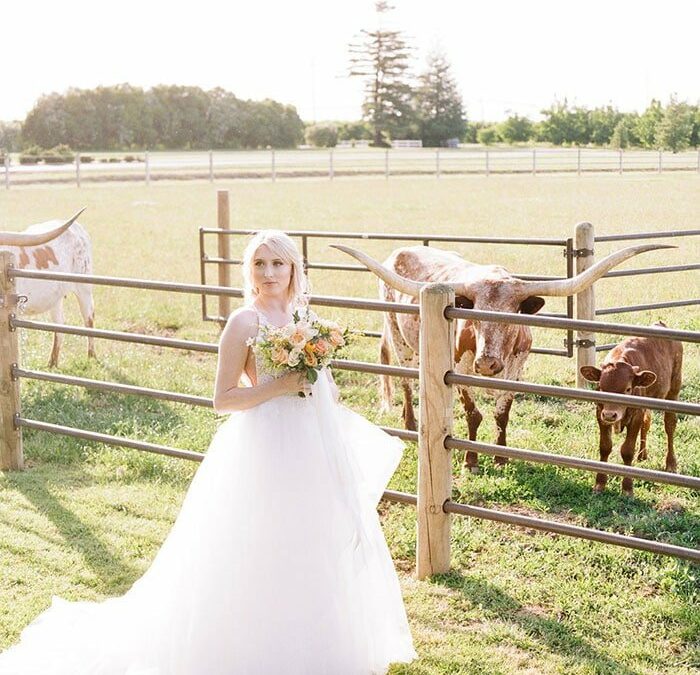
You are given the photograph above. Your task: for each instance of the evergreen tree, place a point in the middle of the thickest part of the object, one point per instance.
(381, 58)
(439, 103)
(675, 129)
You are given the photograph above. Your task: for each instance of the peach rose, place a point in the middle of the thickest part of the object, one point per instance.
(279, 355)
(322, 347)
(336, 338)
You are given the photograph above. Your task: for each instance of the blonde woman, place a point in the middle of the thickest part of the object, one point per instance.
(277, 562)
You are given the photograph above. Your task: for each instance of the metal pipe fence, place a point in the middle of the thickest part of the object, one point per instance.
(149, 166)
(424, 239)
(434, 437)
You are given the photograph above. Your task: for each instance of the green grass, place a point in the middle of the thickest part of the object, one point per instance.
(85, 520)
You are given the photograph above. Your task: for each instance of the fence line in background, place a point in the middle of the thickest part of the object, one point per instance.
(274, 164)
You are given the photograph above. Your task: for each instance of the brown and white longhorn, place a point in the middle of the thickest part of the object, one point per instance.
(483, 348)
(60, 247)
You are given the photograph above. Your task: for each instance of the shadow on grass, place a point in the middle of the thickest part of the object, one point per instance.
(553, 634)
(39, 489)
(555, 490)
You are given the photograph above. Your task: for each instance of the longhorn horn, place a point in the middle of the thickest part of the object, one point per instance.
(408, 286)
(36, 239)
(580, 282)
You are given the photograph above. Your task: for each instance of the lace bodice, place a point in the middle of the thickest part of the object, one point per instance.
(262, 373)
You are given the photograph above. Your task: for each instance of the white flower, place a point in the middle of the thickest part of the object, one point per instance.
(294, 357)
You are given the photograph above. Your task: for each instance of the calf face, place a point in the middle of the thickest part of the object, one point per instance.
(617, 378)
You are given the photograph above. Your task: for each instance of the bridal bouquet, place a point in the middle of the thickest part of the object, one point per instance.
(304, 345)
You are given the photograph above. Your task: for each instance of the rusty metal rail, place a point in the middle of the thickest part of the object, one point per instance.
(569, 392)
(573, 530)
(573, 462)
(576, 324)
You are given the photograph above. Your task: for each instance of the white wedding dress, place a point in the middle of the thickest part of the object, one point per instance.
(276, 564)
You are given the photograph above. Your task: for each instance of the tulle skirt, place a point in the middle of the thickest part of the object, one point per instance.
(276, 563)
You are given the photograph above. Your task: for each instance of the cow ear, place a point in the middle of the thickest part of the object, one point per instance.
(531, 305)
(590, 373)
(463, 302)
(644, 378)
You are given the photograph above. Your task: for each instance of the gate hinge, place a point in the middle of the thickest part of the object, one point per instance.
(579, 343)
(579, 252)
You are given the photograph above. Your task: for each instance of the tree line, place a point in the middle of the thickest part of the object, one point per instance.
(166, 117)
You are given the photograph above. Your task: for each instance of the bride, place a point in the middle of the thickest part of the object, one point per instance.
(277, 562)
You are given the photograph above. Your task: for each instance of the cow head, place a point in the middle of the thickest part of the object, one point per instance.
(617, 377)
(494, 289)
(495, 341)
(36, 239)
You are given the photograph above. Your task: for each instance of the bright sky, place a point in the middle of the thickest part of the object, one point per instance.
(507, 55)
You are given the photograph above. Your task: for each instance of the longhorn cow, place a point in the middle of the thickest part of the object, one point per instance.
(482, 348)
(59, 247)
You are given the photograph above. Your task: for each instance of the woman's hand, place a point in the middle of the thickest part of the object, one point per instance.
(293, 383)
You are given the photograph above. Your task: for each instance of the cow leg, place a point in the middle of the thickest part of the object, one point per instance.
(56, 317)
(670, 427)
(502, 413)
(406, 357)
(605, 448)
(646, 424)
(474, 417)
(628, 446)
(386, 392)
(87, 309)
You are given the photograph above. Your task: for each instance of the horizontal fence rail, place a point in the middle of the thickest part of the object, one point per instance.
(591, 534)
(573, 462)
(577, 324)
(569, 392)
(148, 166)
(107, 439)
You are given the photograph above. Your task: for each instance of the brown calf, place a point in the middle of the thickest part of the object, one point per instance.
(641, 367)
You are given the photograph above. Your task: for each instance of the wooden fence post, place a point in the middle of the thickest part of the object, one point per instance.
(585, 300)
(224, 249)
(11, 454)
(434, 424)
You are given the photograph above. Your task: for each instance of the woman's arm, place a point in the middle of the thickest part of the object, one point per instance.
(233, 353)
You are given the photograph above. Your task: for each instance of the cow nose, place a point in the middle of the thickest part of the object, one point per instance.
(609, 416)
(488, 365)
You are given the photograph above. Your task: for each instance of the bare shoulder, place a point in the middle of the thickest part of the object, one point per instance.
(241, 325)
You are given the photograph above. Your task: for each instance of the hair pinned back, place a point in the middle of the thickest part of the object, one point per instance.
(283, 246)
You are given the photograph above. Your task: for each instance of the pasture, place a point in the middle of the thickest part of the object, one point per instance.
(84, 521)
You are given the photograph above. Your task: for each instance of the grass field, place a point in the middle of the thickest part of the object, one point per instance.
(84, 520)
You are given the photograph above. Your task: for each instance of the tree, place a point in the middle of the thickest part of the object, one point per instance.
(516, 129)
(603, 122)
(322, 135)
(564, 125)
(440, 105)
(381, 58)
(647, 123)
(10, 136)
(487, 135)
(675, 129)
(354, 131)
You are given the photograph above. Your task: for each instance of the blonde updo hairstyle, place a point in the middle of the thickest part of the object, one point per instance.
(282, 246)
